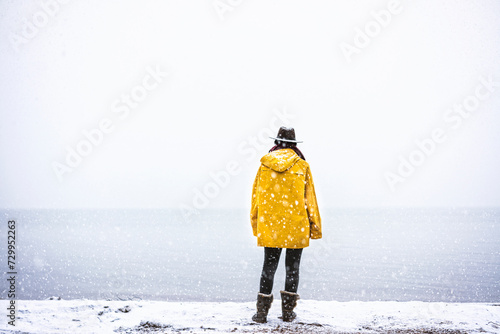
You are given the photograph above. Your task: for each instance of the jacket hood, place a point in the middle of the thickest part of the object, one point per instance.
(280, 160)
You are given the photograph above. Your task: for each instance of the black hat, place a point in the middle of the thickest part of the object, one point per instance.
(287, 135)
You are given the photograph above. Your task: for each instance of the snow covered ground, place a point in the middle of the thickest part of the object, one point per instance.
(101, 316)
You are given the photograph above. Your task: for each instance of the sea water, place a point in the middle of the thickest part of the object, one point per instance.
(447, 255)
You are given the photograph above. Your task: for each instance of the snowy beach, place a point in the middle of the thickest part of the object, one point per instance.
(100, 316)
(158, 157)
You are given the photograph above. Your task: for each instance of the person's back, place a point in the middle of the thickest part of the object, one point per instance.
(282, 216)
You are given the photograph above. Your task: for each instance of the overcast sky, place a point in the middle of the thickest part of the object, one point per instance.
(141, 104)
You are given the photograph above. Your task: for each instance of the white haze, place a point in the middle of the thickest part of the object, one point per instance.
(226, 79)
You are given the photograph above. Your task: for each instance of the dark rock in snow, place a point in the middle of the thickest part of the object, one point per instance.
(125, 309)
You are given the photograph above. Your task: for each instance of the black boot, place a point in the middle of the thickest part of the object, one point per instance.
(288, 303)
(263, 306)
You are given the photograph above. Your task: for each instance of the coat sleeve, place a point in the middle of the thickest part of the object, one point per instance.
(312, 207)
(254, 206)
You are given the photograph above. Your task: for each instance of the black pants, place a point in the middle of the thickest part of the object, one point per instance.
(271, 260)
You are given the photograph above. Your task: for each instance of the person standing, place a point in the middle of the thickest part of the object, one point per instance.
(284, 214)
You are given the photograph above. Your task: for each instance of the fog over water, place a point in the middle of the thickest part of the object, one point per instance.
(366, 254)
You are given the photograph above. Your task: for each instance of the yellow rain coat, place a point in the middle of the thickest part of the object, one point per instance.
(284, 211)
